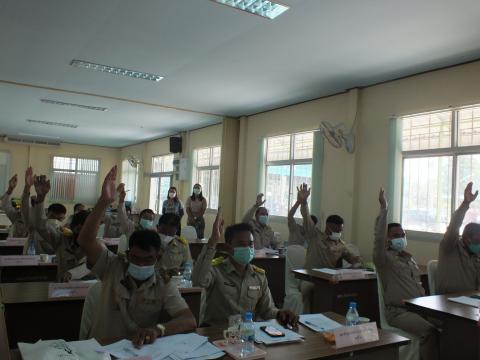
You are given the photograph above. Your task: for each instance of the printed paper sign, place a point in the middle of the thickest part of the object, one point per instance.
(111, 241)
(355, 335)
(16, 241)
(19, 260)
(70, 289)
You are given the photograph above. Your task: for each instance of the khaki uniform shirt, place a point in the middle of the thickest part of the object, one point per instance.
(112, 226)
(322, 251)
(127, 226)
(175, 254)
(263, 235)
(197, 206)
(42, 246)
(296, 233)
(18, 228)
(458, 269)
(68, 252)
(228, 293)
(123, 307)
(398, 271)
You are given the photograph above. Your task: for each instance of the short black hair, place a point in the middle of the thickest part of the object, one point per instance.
(169, 219)
(150, 211)
(471, 229)
(235, 229)
(57, 208)
(335, 219)
(79, 218)
(260, 208)
(145, 240)
(314, 219)
(392, 225)
(76, 206)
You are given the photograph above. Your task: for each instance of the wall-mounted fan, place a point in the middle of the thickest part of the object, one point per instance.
(133, 161)
(337, 136)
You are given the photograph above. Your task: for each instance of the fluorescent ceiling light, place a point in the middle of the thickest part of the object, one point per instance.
(38, 136)
(61, 103)
(52, 123)
(115, 70)
(265, 8)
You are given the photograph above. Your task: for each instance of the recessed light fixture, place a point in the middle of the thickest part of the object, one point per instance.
(115, 70)
(61, 103)
(52, 123)
(265, 8)
(38, 136)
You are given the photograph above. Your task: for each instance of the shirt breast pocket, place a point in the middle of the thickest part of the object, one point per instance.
(254, 293)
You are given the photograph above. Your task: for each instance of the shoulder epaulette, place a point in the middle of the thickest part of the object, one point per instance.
(217, 261)
(183, 240)
(258, 269)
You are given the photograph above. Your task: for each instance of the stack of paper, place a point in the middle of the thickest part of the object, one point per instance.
(262, 338)
(62, 350)
(175, 347)
(466, 300)
(319, 322)
(346, 274)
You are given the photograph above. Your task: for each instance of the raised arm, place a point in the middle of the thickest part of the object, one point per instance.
(302, 197)
(202, 271)
(6, 200)
(88, 235)
(380, 244)
(25, 208)
(291, 214)
(452, 234)
(251, 212)
(126, 225)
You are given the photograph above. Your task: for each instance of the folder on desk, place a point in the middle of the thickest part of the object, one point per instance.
(345, 274)
(319, 322)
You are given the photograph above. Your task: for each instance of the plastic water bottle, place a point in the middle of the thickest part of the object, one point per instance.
(352, 314)
(187, 274)
(31, 248)
(248, 335)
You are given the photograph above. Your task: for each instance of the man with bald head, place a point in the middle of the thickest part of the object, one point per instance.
(257, 218)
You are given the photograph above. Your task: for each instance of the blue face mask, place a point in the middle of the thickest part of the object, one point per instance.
(474, 248)
(146, 224)
(243, 255)
(263, 219)
(140, 272)
(399, 244)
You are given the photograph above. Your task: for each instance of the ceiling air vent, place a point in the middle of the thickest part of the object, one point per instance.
(52, 123)
(29, 140)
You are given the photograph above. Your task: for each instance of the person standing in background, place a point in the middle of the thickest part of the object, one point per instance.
(195, 207)
(173, 205)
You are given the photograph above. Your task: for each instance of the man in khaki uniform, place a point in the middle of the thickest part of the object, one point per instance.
(61, 239)
(296, 232)
(233, 286)
(175, 249)
(18, 229)
(459, 259)
(133, 292)
(257, 218)
(400, 277)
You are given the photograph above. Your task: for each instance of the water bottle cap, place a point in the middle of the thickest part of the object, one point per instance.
(248, 316)
(353, 304)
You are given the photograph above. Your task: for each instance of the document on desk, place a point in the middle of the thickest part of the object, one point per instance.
(346, 274)
(175, 347)
(62, 350)
(466, 300)
(262, 338)
(319, 322)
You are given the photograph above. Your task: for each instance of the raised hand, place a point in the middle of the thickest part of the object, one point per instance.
(303, 193)
(12, 184)
(121, 192)
(109, 188)
(382, 200)
(29, 178)
(260, 200)
(217, 228)
(42, 187)
(469, 196)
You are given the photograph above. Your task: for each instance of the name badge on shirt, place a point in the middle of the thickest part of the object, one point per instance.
(254, 287)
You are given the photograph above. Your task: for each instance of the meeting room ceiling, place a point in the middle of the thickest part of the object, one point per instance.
(216, 61)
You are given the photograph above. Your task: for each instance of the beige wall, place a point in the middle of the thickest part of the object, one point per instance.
(40, 158)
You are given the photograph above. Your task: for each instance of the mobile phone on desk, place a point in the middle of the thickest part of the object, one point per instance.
(272, 331)
(475, 297)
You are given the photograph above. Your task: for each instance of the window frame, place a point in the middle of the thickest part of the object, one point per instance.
(98, 186)
(210, 168)
(137, 173)
(159, 175)
(292, 162)
(454, 150)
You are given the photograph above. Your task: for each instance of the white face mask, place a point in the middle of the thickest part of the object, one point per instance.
(335, 236)
(398, 244)
(165, 240)
(197, 191)
(54, 222)
(171, 195)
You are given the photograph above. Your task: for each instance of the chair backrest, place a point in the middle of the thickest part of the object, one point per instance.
(88, 314)
(432, 276)
(189, 233)
(294, 259)
(381, 304)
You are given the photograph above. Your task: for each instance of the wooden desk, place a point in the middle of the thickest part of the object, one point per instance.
(460, 336)
(10, 249)
(34, 273)
(335, 296)
(315, 347)
(29, 315)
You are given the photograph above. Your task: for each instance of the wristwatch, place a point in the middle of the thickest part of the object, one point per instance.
(161, 329)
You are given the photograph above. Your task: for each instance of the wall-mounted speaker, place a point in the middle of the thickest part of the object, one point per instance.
(175, 144)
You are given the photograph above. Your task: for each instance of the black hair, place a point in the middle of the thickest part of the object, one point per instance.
(176, 193)
(145, 240)
(260, 208)
(392, 225)
(235, 229)
(471, 229)
(200, 196)
(79, 218)
(149, 211)
(314, 219)
(335, 219)
(57, 209)
(170, 219)
(77, 205)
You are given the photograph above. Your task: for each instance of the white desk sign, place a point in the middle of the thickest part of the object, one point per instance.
(19, 260)
(11, 241)
(111, 241)
(355, 335)
(70, 289)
